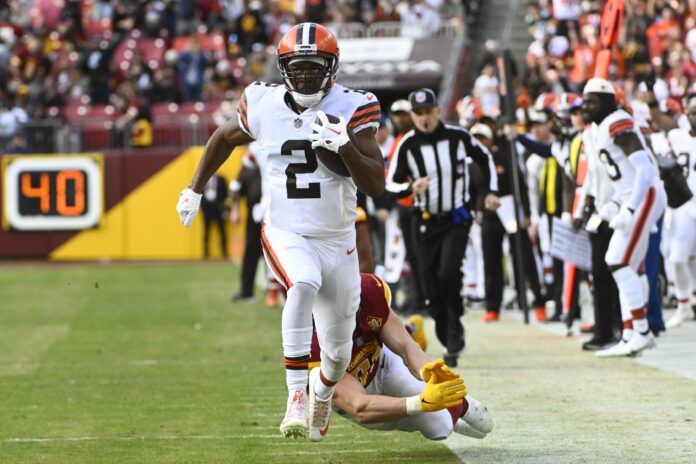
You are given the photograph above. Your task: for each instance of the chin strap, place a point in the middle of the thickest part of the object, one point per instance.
(307, 101)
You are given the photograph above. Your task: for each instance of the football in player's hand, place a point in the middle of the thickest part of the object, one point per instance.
(331, 160)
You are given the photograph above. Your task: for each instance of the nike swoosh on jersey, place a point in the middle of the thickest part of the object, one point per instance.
(350, 252)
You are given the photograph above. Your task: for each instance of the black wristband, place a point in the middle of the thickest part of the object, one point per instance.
(653, 104)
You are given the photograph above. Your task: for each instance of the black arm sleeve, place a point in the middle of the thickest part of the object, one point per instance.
(540, 149)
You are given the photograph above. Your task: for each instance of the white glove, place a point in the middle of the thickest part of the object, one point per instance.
(328, 135)
(608, 211)
(622, 219)
(187, 207)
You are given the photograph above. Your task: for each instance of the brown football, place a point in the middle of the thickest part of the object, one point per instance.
(331, 160)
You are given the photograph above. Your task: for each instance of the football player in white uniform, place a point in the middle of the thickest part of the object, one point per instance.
(309, 232)
(683, 244)
(638, 203)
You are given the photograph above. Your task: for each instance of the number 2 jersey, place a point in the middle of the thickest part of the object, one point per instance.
(618, 166)
(373, 312)
(305, 197)
(684, 149)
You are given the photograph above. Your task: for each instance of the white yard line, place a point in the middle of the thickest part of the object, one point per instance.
(144, 438)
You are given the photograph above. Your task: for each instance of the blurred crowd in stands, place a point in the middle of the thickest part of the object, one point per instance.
(130, 60)
(658, 37)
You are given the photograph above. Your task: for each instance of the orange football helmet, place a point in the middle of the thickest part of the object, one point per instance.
(308, 42)
(546, 102)
(567, 103)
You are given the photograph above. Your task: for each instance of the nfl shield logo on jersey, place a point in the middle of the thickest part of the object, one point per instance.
(298, 123)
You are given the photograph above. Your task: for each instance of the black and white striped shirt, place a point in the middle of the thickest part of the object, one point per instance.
(442, 156)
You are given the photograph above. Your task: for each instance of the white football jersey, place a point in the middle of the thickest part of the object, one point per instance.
(684, 149)
(304, 196)
(620, 170)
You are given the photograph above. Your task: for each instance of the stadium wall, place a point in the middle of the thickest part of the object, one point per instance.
(139, 220)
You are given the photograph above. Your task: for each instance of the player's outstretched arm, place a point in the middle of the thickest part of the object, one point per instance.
(365, 163)
(219, 147)
(225, 139)
(397, 339)
(350, 396)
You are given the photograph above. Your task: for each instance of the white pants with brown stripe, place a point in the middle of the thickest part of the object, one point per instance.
(331, 267)
(629, 246)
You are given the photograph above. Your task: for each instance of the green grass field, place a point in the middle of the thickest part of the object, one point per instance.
(154, 364)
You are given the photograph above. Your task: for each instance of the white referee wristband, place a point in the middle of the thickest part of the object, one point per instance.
(413, 405)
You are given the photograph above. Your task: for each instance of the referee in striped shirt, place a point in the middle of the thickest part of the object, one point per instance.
(431, 161)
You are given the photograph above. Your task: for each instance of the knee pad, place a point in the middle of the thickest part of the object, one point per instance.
(347, 292)
(338, 341)
(630, 290)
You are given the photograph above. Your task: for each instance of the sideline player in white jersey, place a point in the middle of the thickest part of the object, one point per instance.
(309, 232)
(683, 240)
(639, 201)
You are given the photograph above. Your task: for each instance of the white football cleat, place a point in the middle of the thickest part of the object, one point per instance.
(462, 428)
(319, 411)
(478, 417)
(640, 342)
(620, 349)
(294, 423)
(682, 314)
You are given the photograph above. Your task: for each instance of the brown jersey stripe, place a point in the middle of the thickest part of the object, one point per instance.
(365, 120)
(243, 118)
(364, 114)
(365, 109)
(375, 112)
(242, 110)
(619, 126)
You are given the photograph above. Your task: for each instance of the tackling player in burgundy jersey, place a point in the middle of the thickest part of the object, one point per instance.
(383, 387)
(309, 233)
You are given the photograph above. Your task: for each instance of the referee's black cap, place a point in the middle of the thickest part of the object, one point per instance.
(422, 98)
